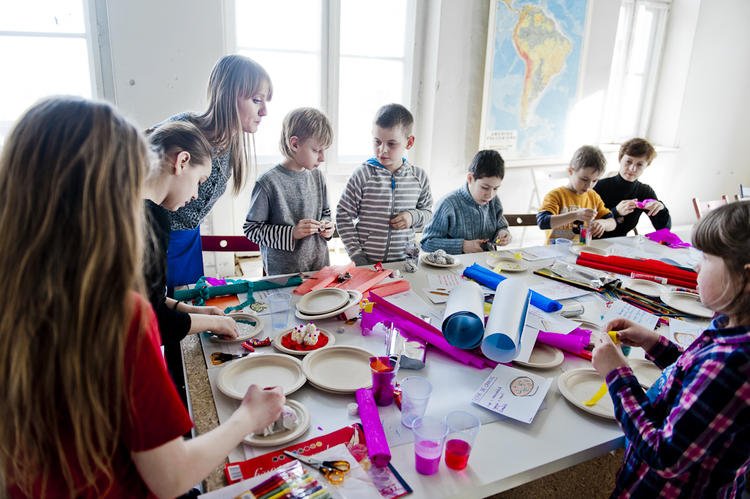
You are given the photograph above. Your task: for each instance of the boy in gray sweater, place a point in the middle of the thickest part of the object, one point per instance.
(289, 216)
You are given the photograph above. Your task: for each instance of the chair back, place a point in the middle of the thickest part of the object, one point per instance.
(520, 220)
(703, 207)
(228, 243)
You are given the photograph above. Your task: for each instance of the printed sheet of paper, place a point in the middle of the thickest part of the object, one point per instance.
(558, 290)
(513, 393)
(619, 308)
(444, 280)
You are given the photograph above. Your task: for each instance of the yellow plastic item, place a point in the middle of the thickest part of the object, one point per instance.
(613, 335)
(598, 395)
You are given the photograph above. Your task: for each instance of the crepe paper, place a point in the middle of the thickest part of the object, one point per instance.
(642, 204)
(214, 281)
(202, 292)
(362, 279)
(622, 265)
(322, 278)
(390, 288)
(414, 328)
(667, 238)
(502, 336)
(574, 342)
(377, 445)
(597, 396)
(463, 320)
(490, 279)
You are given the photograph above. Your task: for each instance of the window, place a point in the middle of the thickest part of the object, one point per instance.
(44, 50)
(345, 57)
(635, 66)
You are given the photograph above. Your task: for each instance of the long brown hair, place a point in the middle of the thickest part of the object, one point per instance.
(70, 177)
(234, 76)
(176, 136)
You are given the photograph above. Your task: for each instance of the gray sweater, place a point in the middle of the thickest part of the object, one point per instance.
(280, 199)
(458, 217)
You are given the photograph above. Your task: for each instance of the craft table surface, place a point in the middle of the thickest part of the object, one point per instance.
(507, 453)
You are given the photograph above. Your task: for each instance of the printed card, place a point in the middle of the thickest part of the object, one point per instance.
(513, 393)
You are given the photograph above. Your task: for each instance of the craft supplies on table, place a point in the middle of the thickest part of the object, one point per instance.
(490, 279)
(377, 445)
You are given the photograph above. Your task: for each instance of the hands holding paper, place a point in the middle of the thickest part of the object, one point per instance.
(631, 334)
(606, 356)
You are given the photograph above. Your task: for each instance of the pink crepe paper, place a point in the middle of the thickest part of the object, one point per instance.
(668, 238)
(642, 204)
(573, 342)
(377, 444)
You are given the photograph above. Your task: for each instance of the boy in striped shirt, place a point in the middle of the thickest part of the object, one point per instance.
(387, 197)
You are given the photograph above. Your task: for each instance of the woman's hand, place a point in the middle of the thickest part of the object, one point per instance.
(606, 356)
(306, 228)
(626, 207)
(261, 407)
(473, 245)
(224, 326)
(503, 237)
(631, 334)
(653, 208)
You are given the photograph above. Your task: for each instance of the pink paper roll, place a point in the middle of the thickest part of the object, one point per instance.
(573, 342)
(377, 445)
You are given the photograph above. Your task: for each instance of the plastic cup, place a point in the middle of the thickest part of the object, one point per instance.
(280, 304)
(415, 394)
(429, 437)
(563, 245)
(463, 428)
(383, 376)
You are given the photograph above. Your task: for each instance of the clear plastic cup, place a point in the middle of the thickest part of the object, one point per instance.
(415, 394)
(429, 438)
(280, 304)
(562, 245)
(463, 428)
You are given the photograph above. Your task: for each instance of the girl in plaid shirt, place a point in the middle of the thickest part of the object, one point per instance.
(689, 435)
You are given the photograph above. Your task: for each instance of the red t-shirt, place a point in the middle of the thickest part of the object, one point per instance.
(157, 414)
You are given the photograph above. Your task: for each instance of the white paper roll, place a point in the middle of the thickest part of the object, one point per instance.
(463, 322)
(502, 336)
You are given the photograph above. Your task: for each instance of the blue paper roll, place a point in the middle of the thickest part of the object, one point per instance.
(463, 330)
(490, 279)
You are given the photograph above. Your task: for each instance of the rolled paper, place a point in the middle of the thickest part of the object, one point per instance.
(623, 265)
(502, 337)
(363, 279)
(390, 288)
(377, 445)
(573, 342)
(490, 279)
(322, 278)
(238, 286)
(463, 321)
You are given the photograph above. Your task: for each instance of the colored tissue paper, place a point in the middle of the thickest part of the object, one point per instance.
(463, 321)
(667, 238)
(490, 279)
(377, 445)
(623, 265)
(574, 342)
(502, 337)
(642, 204)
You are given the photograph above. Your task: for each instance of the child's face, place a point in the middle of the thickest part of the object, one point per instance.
(484, 189)
(632, 167)
(712, 279)
(390, 144)
(185, 182)
(583, 179)
(308, 154)
(253, 108)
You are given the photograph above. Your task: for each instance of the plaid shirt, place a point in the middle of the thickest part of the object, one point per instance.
(690, 436)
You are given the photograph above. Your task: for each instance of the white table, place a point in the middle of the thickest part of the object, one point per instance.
(507, 453)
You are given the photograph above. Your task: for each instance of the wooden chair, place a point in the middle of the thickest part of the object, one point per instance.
(228, 243)
(520, 220)
(703, 207)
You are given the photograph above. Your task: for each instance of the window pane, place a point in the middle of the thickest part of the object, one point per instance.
(279, 24)
(36, 67)
(296, 83)
(360, 97)
(363, 25)
(57, 16)
(642, 40)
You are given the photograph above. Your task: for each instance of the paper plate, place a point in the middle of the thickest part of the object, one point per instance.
(322, 301)
(354, 298)
(579, 385)
(246, 331)
(266, 369)
(543, 357)
(644, 287)
(577, 249)
(456, 262)
(281, 348)
(506, 264)
(339, 369)
(587, 325)
(283, 437)
(646, 371)
(686, 302)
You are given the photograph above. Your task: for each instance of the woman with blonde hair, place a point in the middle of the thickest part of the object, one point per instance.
(88, 408)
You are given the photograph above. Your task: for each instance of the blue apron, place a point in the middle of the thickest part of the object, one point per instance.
(184, 257)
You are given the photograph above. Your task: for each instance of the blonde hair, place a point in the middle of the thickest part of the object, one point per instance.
(305, 123)
(233, 77)
(70, 177)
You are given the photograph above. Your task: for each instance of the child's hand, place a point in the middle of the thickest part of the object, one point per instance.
(606, 356)
(596, 228)
(626, 206)
(473, 246)
(224, 326)
(306, 228)
(653, 208)
(327, 229)
(503, 237)
(585, 215)
(260, 407)
(402, 221)
(631, 334)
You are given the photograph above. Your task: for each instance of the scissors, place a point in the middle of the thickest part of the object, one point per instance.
(334, 471)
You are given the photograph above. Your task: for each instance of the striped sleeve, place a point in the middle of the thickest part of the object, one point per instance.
(422, 213)
(257, 230)
(347, 212)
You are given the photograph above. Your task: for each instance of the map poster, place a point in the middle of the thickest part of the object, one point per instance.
(534, 53)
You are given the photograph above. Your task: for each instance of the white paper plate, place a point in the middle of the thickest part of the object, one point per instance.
(354, 298)
(506, 264)
(456, 262)
(339, 368)
(322, 301)
(587, 325)
(686, 302)
(579, 385)
(246, 331)
(646, 371)
(283, 437)
(543, 357)
(577, 249)
(265, 369)
(281, 348)
(644, 287)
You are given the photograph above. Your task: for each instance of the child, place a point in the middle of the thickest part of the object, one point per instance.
(238, 90)
(690, 433)
(621, 192)
(466, 219)
(387, 197)
(289, 215)
(567, 208)
(88, 408)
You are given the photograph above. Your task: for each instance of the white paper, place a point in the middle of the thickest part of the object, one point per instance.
(619, 308)
(507, 320)
(683, 333)
(513, 393)
(436, 295)
(540, 253)
(444, 280)
(557, 290)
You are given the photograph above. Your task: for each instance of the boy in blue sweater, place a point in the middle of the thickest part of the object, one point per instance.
(467, 218)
